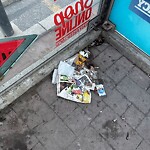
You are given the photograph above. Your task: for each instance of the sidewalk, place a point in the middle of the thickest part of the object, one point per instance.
(34, 25)
(32, 17)
(39, 120)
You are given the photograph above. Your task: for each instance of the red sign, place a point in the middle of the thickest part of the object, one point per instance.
(72, 20)
(11, 49)
(7, 49)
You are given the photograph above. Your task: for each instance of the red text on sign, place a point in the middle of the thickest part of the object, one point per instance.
(72, 18)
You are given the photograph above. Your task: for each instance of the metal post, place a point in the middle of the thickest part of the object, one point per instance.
(4, 22)
(106, 8)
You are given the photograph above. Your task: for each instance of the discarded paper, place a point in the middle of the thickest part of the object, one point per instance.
(75, 79)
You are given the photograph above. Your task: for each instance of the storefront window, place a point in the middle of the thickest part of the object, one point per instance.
(64, 25)
(72, 21)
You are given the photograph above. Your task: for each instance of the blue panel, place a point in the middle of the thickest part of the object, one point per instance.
(130, 24)
(141, 8)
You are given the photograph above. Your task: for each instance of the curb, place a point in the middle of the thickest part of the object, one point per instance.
(135, 55)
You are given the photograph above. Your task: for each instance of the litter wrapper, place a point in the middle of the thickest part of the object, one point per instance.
(100, 90)
(75, 80)
(82, 58)
(54, 77)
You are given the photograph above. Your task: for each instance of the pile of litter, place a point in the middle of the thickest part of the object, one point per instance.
(76, 77)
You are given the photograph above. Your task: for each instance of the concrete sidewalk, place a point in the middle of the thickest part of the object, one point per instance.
(39, 27)
(40, 59)
(35, 20)
(8, 2)
(39, 120)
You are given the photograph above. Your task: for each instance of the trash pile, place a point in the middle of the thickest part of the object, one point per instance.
(76, 77)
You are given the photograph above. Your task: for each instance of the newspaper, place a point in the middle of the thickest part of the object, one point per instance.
(75, 80)
(77, 90)
(100, 90)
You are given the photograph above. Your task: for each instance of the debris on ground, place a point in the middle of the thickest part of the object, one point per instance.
(123, 118)
(127, 136)
(114, 120)
(97, 42)
(100, 90)
(2, 119)
(76, 77)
